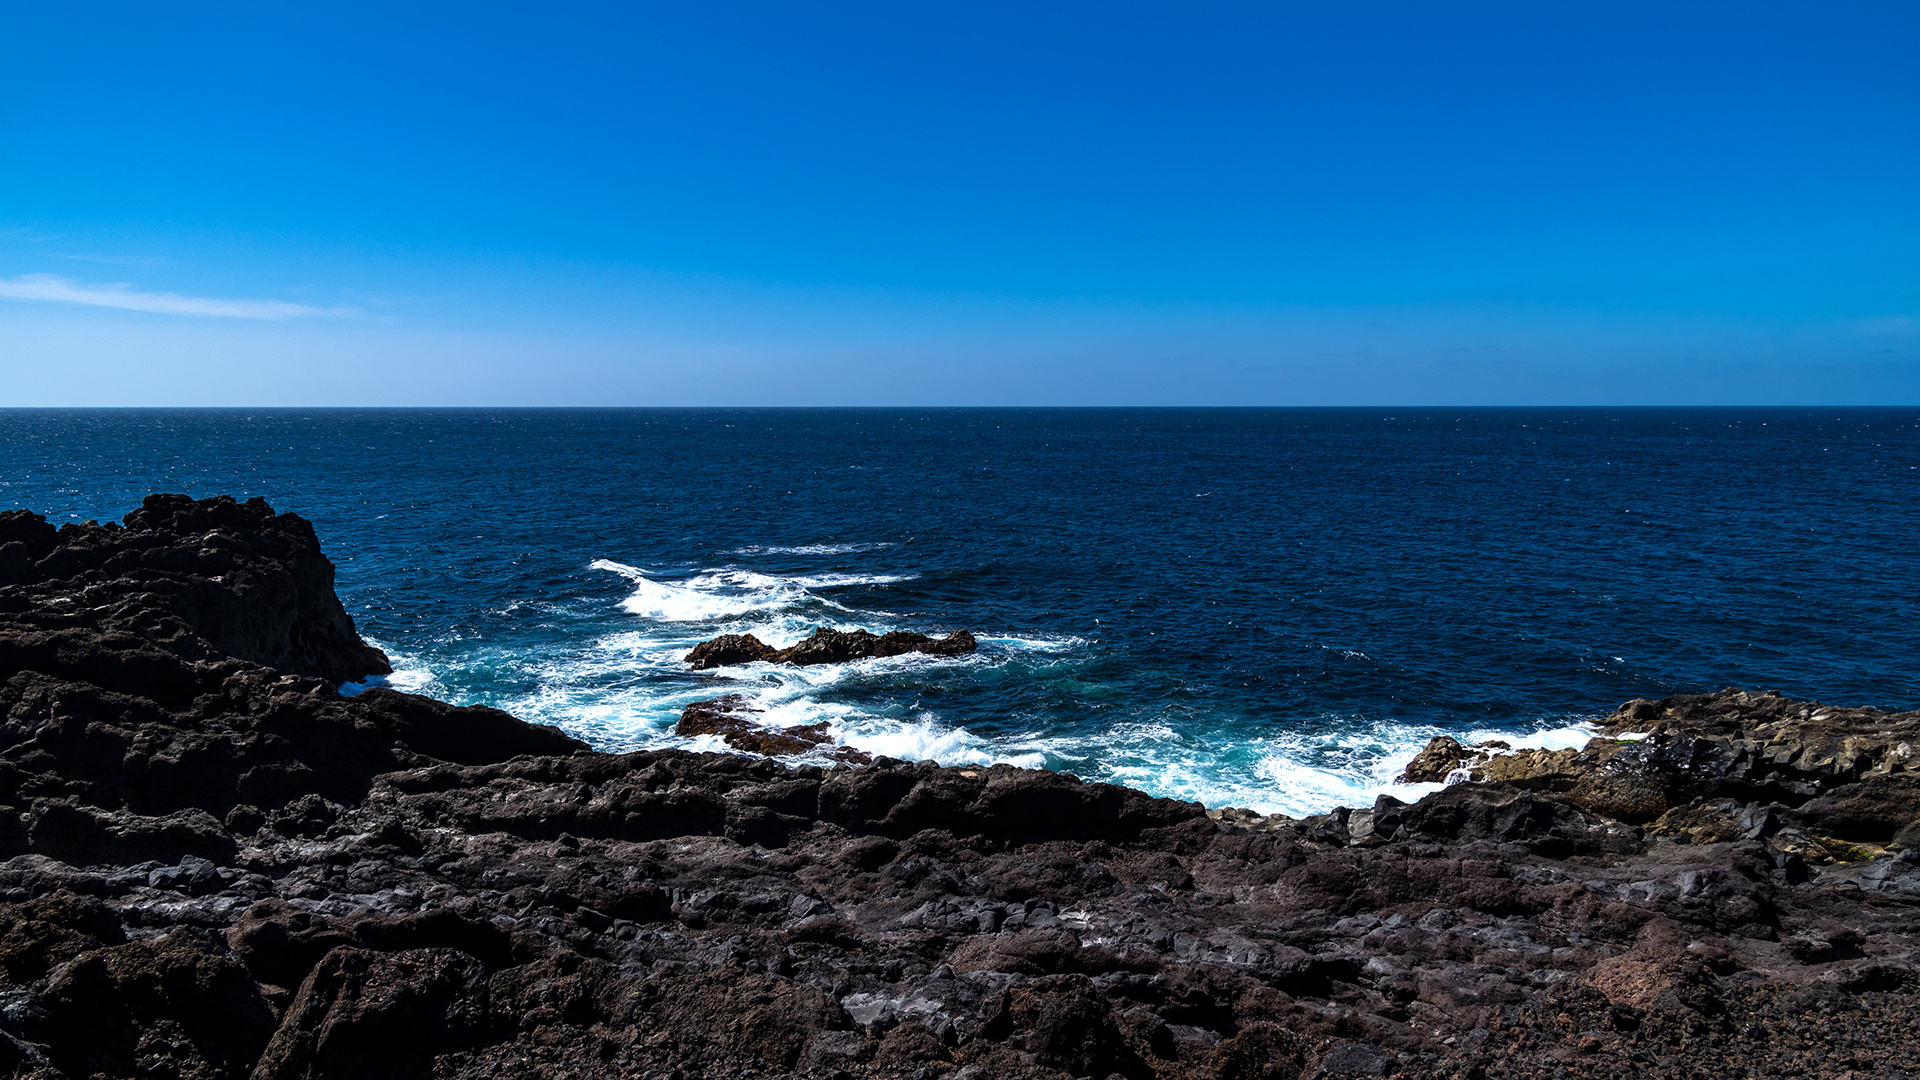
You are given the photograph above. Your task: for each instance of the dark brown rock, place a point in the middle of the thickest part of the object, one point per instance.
(1874, 810)
(47, 931)
(730, 649)
(171, 1006)
(1467, 813)
(1029, 952)
(378, 1014)
(1434, 764)
(731, 718)
(1660, 758)
(826, 646)
(137, 701)
(242, 580)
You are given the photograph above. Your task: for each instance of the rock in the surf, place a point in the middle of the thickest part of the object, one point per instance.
(1431, 766)
(729, 649)
(1844, 775)
(826, 646)
(732, 719)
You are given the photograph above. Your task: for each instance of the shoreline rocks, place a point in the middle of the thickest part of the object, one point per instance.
(214, 865)
(1827, 783)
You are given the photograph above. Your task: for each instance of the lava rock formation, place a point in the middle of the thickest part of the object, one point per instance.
(826, 646)
(216, 865)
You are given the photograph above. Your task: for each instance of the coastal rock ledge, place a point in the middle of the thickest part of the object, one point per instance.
(216, 865)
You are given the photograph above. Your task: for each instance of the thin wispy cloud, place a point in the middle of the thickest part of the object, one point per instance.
(120, 295)
(117, 260)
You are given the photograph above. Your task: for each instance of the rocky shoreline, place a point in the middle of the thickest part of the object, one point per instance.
(215, 865)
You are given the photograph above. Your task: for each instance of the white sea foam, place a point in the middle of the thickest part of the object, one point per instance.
(1044, 645)
(1569, 736)
(1293, 774)
(811, 549)
(839, 581)
(729, 593)
(624, 689)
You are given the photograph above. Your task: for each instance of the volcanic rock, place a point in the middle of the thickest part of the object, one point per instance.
(198, 579)
(730, 717)
(728, 649)
(826, 646)
(1434, 764)
(1692, 763)
(219, 868)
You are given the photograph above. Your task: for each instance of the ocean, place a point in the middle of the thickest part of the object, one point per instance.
(1268, 608)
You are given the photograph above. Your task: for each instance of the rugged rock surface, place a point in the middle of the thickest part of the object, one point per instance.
(216, 868)
(201, 580)
(826, 646)
(733, 719)
(1826, 783)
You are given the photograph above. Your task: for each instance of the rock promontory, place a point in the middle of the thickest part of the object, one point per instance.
(213, 864)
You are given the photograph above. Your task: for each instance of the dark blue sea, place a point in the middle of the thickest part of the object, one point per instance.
(1270, 608)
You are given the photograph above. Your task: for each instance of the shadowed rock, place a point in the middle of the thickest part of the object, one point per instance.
(200, 579)
(159, 678)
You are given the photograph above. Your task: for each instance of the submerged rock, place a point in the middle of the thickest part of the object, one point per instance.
(826, 646)
(731, 718)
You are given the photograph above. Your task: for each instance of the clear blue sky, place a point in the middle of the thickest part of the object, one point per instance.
(979, 203)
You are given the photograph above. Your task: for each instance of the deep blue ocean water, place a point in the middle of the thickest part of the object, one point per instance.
(1259, 607)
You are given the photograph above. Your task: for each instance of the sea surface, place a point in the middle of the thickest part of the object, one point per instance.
(1270, 608)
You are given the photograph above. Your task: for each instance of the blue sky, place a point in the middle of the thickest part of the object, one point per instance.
(1052, 203)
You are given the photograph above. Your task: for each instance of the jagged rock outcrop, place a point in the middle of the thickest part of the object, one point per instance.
(142, 709)
(206, 579)
(215, 868)
(1822, 781)
(826, 646)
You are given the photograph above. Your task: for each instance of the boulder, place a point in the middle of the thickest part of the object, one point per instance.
(373, 1014)
(728, 649)
(1443, 754)
(1504, 813)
